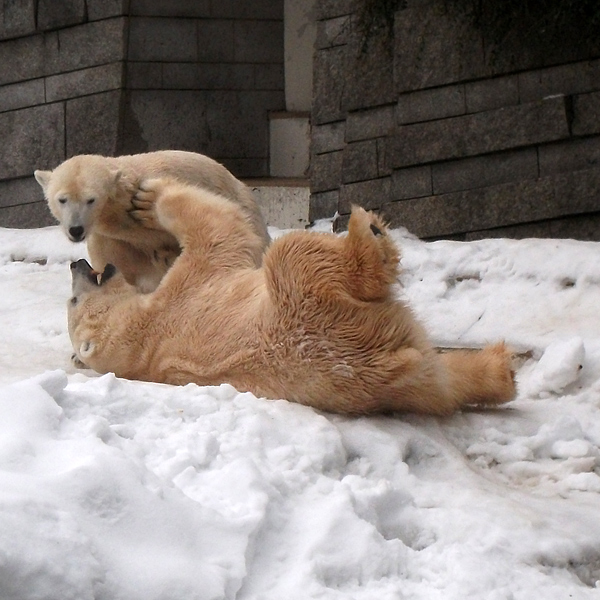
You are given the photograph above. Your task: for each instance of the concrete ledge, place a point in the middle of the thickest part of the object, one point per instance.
(283, 202)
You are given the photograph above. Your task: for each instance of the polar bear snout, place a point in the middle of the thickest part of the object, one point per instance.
(83, 268)
(77, 233)
(83, 275)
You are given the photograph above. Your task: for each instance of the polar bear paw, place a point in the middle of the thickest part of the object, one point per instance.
(372, 257)
(144, 204)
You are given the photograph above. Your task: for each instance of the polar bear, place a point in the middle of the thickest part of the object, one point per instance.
(90, 195)
(318, 323)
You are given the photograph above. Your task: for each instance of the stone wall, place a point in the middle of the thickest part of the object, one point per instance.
(118, 76)
(425, 127)
(203, 75)
(61, 69)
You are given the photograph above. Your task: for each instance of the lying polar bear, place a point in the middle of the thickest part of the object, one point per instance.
(90, 196)
(317, 324)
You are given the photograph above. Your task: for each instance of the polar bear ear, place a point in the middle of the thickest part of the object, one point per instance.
(117, 174)
(43, 178)
(86, 349)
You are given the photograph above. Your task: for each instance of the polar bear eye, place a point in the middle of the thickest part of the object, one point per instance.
(91, 201)
(62, 200)
(74, 300)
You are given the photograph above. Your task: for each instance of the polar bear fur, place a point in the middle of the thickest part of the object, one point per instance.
(90, 196)
(317, 324)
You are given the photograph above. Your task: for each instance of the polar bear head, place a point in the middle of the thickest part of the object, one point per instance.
(93, 295)
(77, 190)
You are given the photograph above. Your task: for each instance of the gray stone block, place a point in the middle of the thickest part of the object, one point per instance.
(14, 192)
(53, 15)
(84, 82)
(333, 32)
(479, 133)
(161, 119)
(574, 78)
(103, 9)
(369, 78)
(145, 75)
(451, 214)
(269, 77)
(384, 167)
(489, 94)
(18, 19)
(323, 205)
(328, 9)
(207, 76)
(93, 124)
(215, 40)
(570, 155)
(330, 67)
(247, 167)
(524, 50)
(328, 137)
(586, 114)
(575, 193)
(427, 105)
(491, 207)
(237, 122)
(26, 216)
(435, 46)
(482, 171)
(21, 95)
(187, 76)
(25, 58)
(258, 41)
(88, 45)
(32, 138)
(360, 161)
(168, 8)
(413, 182)
(584, 227)
(162, 39)
(326, 172)
(257, 9)
(370, 123)
(371, 195)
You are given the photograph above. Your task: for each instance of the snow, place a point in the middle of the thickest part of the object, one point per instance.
(120, 490)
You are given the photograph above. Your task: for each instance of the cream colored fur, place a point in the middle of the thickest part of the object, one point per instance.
(90, 196)
(317, 324)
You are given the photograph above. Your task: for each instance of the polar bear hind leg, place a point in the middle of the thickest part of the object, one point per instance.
(371, 256)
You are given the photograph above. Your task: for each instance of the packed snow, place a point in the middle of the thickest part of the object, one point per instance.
(121, 490)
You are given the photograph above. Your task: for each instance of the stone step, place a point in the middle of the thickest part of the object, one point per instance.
(283, 201)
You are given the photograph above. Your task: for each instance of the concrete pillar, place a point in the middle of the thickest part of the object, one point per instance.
(300, 32)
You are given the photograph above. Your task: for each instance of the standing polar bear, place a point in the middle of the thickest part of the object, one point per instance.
(317, 324)
(90, 195)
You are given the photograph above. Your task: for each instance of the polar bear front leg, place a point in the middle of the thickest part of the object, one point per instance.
(166, 204)
(201, 221)
(143, 203)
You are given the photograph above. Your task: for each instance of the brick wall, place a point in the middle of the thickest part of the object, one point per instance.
(118, 76)
(446, 142)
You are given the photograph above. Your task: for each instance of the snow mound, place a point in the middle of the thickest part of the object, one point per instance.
(559, 367)
(123, 490)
